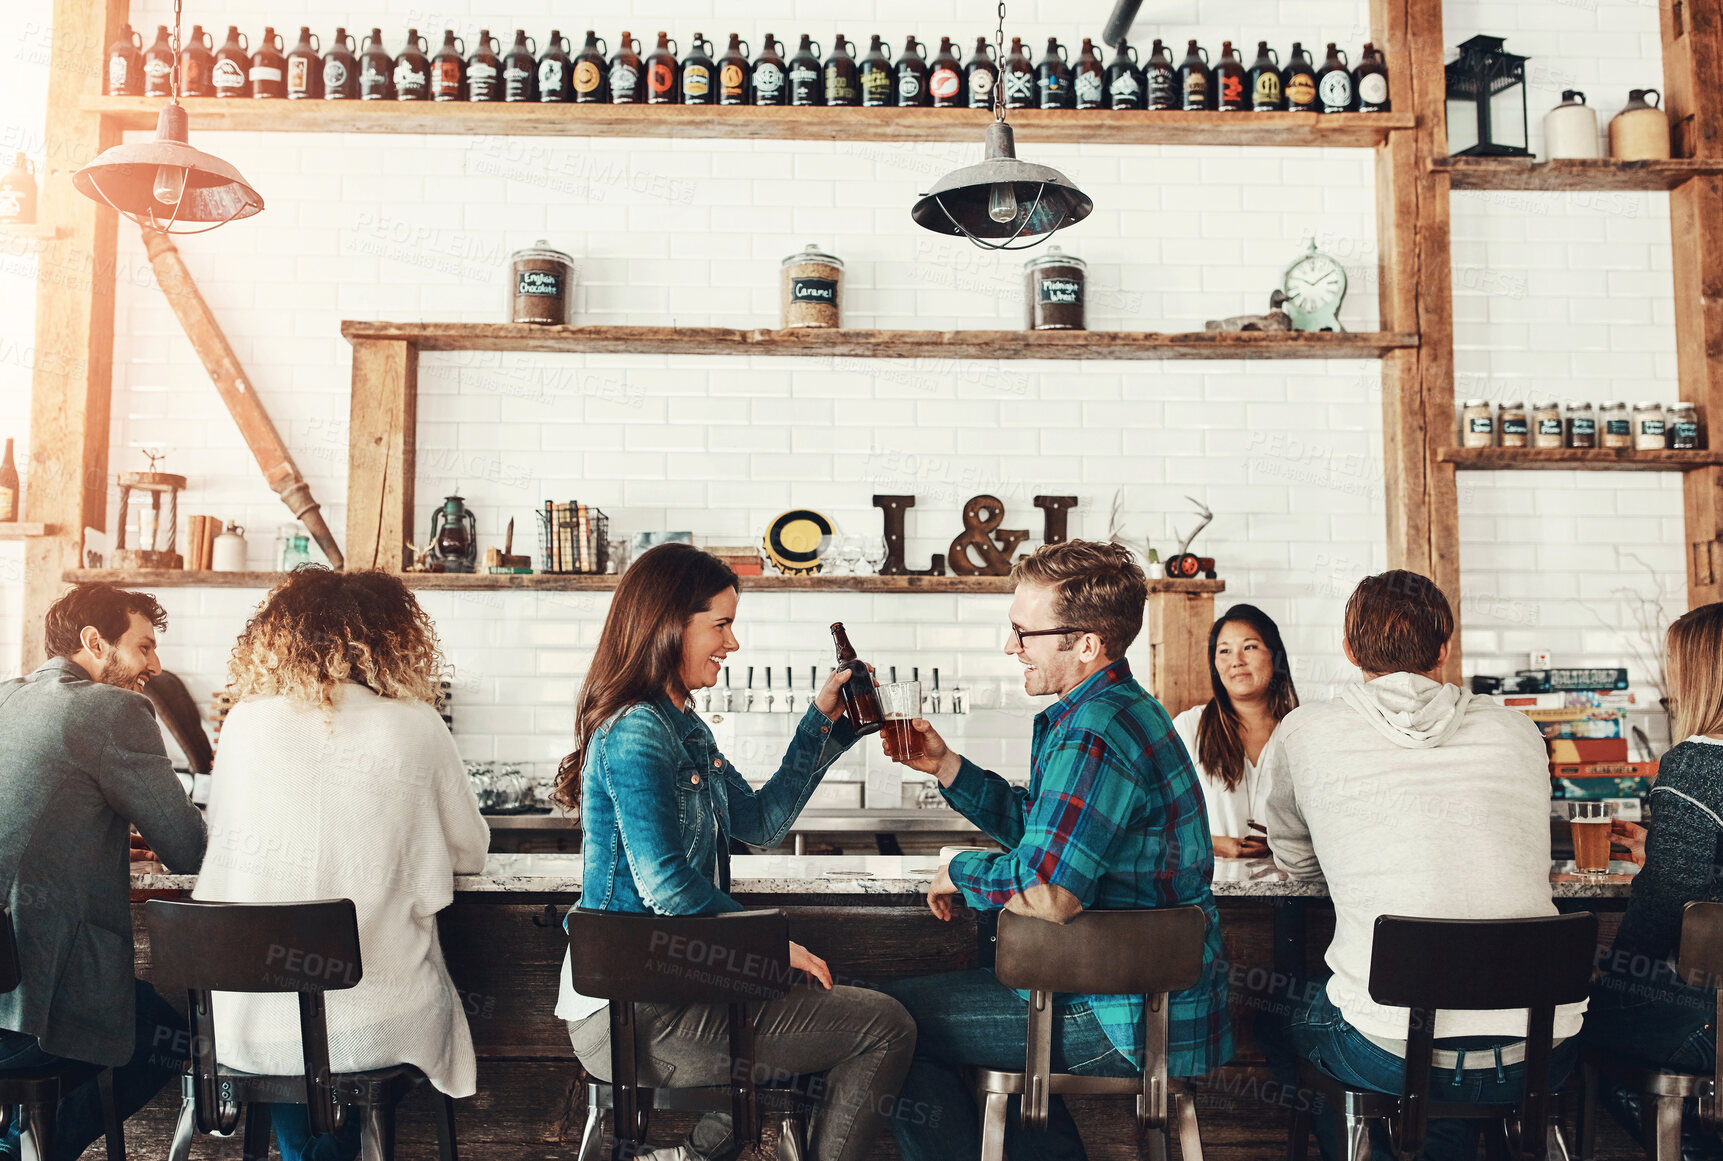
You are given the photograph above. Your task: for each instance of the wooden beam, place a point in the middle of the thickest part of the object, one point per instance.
(72, 380)
(1590, 174)
(1526, 459)
(380, 453)
(1178, 624)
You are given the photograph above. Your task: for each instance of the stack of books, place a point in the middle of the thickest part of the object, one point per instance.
(744, 560)
(573, 538)
(200, 541)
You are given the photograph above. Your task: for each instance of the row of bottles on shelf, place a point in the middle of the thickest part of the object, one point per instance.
(757, 694)
(703, 77)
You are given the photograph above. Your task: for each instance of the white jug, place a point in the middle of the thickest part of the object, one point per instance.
(1640, 132)
(227, 554)
(1570, 129)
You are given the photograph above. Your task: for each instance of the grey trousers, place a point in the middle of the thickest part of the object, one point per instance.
(861, 1040)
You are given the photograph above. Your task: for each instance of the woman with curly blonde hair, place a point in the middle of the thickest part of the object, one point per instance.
(336, 778)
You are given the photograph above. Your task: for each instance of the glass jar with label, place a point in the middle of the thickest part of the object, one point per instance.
(1053, 292)
(1546, 424)
(1581, 425)
(1514, 424)
(1648, 426)
(1614, 426)
(541, 285)
(812, 289)
(1681, 425)
(1477, 423)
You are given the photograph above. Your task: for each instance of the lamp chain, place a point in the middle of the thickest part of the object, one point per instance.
(174, 72)
(998, 61)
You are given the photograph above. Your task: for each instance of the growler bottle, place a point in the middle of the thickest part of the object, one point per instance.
(1160, 82)
(196, 62)
(1053, 78)
(579, 79)
(733, 73)
(158, 65)
(304, 68)
(1265, 94)
(1298, 81)
(878, 87)
(912, 89)
(1088, 79)
(626, 87)
(1370, 81)
(807, 82)
(449, 69)
(698, 74)
(767, 86)
(981, 76)
(1124, 79)
(413, 69)
(232, 68)
(8, 487)
(1019, 77)
(126, 65)
(376, 70)
(520, 69)
(268, 72)
(945, 78)
(841, 80)
(18, 193)
(1195, 90)
(661, 87)
(1334, 83)
(340, 69)
(485, 70)
(1230, 94)
(860, 695)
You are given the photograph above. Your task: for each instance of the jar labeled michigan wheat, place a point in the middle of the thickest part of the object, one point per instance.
(1053, 292)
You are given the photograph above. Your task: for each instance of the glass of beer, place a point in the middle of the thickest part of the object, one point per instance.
(1590, 821)
(901, 701)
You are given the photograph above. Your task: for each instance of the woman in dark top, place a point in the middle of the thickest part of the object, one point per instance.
(1640, 1009)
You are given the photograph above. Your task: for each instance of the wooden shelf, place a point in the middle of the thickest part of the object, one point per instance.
(1094, 345)
(1032, 126)
(1602, 174)
(36, 231)
(1567, 459)
(544, 582)
(17, 531)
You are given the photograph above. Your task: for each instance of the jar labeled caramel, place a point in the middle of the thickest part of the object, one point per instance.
(812, 284)
(1515, 426)
(1581, 425)
(1614, 427)
(1053, 292)
(541, 285)
(1477, 423)
(1546, 424)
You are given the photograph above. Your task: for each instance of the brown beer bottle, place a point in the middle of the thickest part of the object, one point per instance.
(1231, 95)
(376, 70)
(1298, 81)
(842, 87)
(1370, 81)
(1053, 77)
(485, 69)
(1195, 89)
(340, 69)
(520, 69)
(232, 69)
(807, 84)
(8, 487)
(1160, 82)
(878, 89)
(1334, 83)
(412, 79)
(268, 72)
(767, 84)
(1125, 79)
(196, 61)
(981, 77)
(158, 65)
(860, 696)
(699, 73)
(1088, 79)
(1019, 77)
(1265, 94)
(449, 69)
(733, 72)
(577, 79)
(304, 68)
(661, 86)
(945, 78)
(912, 89)
(626, 86)
(126, 65)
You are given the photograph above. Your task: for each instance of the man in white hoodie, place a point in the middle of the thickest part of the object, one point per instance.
(1409, 797)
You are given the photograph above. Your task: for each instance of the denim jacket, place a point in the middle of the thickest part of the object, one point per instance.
(659, 805)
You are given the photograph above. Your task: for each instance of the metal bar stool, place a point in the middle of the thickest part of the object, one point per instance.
(735, 960)
(1662, 1092)
(305, 949)
(1099, 953)
(1458, 965)
(39, 1090)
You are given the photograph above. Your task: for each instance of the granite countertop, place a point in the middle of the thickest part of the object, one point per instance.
(882, 875)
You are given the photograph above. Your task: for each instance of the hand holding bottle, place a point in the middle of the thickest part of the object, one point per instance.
(829, 700)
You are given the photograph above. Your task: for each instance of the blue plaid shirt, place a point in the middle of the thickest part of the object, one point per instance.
(1114, 815)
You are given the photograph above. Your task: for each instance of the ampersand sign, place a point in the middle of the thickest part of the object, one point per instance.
(981, 519)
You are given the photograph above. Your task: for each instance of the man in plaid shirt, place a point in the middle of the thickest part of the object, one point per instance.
(1112, 819)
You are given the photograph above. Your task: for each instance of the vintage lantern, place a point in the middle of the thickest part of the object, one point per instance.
(1487, 101)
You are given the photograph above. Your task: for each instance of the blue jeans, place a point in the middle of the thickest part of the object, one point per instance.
(1646, 1015)
(158, 1055)
(1316, 1031)
(970, 1018)
(293, 1136)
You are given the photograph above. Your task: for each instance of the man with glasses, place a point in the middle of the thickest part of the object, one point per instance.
(1112, 819)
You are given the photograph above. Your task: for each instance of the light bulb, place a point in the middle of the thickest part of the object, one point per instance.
(169, 185)
(1001, 202)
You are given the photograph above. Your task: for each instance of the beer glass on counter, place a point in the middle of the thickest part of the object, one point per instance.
(1590, 822)
(901, 702)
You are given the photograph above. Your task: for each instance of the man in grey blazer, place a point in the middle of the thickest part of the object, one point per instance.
(81, 763)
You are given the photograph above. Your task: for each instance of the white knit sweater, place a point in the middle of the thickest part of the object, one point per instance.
(373, 806)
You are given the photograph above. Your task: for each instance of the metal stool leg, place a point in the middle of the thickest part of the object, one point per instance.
(1190, 1140)
(592, 1137)
(377, 1140)
(1662, 1117)
(257, 1124)
(1357, 1138)
(446, 1148)
(183, 1132)
(793, 1137)
(1555, 1144)
(993, 1126)
(37, 1143)
(1154, 1146)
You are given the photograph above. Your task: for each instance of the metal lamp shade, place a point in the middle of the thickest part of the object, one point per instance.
(958, 202)
(124, 177)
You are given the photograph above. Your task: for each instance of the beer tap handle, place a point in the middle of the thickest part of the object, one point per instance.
(727, 694)
(748, 696)
(790, 689)
(813, 683)
(894, 675)
(934, 700)
(769, 698)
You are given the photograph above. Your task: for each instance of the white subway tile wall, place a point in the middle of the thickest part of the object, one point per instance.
(1565, 296)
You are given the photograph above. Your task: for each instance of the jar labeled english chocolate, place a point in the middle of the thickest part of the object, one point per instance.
(1053, 292)
(1546, 425)
(1681, 425)
(1516, 427)
(1581, 425)
(812, 285)
(1648, 434)
(541, 285)
(1614, 427)
(1477, 423)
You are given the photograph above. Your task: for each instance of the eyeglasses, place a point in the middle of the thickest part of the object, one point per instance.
(1018, 635)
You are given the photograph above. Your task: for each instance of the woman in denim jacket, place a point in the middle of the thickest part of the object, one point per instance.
(659, 806)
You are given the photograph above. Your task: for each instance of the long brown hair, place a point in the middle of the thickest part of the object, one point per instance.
(1696, 672)
(639, 654)
(1220, 735)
